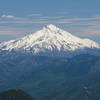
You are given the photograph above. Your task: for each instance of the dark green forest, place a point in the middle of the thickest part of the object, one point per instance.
(15, 94)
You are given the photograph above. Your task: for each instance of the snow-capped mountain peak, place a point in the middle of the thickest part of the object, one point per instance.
(51, 26)
(50, 41)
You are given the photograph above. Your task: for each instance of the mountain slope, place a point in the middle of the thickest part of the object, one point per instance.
(51, 41)
(42, 76)
(91, 92)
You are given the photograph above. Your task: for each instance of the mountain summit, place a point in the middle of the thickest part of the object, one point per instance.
(51, 41)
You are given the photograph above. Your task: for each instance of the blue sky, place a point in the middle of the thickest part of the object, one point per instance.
(21, 17)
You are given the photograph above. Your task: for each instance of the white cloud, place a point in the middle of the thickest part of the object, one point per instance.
(51, 17)
(81, 26)
(63, 21)
(13, 31)
(7, 16)
(32, 15)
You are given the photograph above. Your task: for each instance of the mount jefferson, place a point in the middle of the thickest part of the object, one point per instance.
(51, 41)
